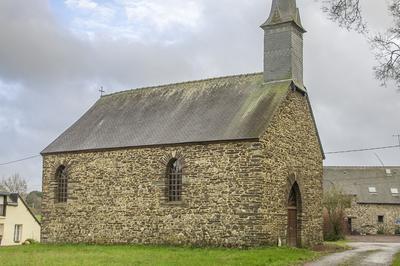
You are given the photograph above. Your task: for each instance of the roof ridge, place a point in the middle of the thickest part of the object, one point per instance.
(180, 83)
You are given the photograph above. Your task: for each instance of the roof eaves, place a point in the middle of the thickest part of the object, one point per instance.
(154, 145)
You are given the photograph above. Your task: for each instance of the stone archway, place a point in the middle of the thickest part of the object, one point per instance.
(294, 217)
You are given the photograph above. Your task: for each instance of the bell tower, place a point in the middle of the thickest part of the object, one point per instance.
(283, 43)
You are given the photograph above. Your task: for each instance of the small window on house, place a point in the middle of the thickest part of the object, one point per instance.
(62, 184)
(394, 191)
(3, 206)
(17, 233)
(380, 218)
(372, 189)
(388, 172)
(174, 181)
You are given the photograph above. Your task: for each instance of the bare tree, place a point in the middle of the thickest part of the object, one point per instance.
(345, 12)
(335, 202)
(14, 183)
(386, 46)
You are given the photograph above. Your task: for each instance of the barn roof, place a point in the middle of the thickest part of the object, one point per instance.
(357, 181)
(228, 108)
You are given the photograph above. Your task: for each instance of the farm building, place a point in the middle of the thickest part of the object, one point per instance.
(230, 161)
(375, 206)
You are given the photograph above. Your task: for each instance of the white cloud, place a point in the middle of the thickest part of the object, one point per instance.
(92, 9)
(135, 20)
(163, 14)
(83, 4)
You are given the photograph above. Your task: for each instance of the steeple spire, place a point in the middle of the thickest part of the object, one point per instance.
(283, 43)
(284, 11)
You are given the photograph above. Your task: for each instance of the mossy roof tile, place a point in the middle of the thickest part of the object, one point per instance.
(228, 108)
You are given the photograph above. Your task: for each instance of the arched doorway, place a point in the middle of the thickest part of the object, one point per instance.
(294, 216)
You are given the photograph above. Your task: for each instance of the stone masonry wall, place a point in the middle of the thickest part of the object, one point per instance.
(118, 196)
(364, 218)
(293, 154)
(235, 193)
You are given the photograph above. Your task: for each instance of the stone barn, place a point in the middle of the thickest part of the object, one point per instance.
(232, 161)
(375, 197)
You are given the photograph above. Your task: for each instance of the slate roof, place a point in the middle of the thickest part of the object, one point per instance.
(12, 198)
(228, 108)
(284, 11)
(357, 180)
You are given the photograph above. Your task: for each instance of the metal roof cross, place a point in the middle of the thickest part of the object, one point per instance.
(101, 91)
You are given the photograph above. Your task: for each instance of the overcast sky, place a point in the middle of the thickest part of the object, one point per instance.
(55, 54)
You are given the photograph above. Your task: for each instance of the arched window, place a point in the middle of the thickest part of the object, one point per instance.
(62, 184)
(174, 180)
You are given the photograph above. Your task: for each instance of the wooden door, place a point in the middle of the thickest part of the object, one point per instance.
(292, 227)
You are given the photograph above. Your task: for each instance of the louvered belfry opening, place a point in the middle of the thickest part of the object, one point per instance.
(62, 184)
(174, 180)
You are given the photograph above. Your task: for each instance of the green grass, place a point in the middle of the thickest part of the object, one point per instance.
(340, 243)
(396, 261)
(39, 254)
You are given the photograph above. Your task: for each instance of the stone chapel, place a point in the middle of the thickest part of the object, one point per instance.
(232, 161)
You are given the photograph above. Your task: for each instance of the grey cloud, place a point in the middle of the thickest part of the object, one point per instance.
(59, 74)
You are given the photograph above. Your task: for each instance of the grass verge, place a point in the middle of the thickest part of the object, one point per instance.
(396, 261)
(40, 254)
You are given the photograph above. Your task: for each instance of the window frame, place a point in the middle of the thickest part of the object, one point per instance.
(61, 177)
(381, 219)
(174, 181)
(3, 207)
(372, 190)
(17, 233)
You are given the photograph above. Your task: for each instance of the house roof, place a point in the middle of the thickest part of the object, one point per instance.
(12, 200)
(357, 181)
(228, 108)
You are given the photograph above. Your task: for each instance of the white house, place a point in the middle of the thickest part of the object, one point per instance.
(17, 222)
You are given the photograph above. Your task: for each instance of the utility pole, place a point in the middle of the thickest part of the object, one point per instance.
(398, 138)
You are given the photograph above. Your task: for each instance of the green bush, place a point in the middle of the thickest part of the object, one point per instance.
(29, 241)
(381, 230)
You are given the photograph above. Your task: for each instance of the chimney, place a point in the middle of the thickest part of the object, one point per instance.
(283, 43)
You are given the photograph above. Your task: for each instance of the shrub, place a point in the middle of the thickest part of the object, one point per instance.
(29, 241)
(335, 202)
(381, 230)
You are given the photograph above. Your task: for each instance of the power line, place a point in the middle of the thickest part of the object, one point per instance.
(20, 160)
(367, 149)
(326, 153)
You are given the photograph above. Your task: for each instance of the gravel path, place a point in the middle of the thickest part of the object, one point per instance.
(368, 254)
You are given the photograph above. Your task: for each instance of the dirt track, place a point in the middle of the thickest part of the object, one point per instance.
(364, 252)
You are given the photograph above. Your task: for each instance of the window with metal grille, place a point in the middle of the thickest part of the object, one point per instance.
(62, 184)
(174, 180)
(17, 233)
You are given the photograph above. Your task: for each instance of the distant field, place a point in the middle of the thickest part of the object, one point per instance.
(39, 254)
